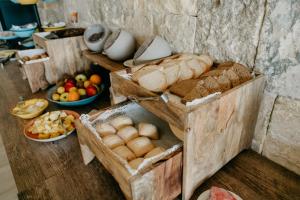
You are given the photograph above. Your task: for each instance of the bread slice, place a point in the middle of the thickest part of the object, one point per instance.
(212, 85)
(215, 72)
(185, 71)
(242, 71)
(153, 80)
(232, 76)
(143, 70)
(207, 59)
(171, 71)
(198, 66)
(224, 82)
(198, 91)
(182, 88)
(225, 65)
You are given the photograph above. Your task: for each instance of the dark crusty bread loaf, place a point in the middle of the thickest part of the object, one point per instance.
(197, 92)
(225, 65)
(224, 82)
(182, 88)
(211, 85)
(242, 71)
(232, 76)
(215, 72)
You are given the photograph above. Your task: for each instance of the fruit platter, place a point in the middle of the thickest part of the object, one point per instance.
(51, 126)
(76, 91)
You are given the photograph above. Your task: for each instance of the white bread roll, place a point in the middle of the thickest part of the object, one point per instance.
(128, 133)
(121, 121)
(136, 163)
(148, 130)
(140, 146)
(113, 141)
(124, 152)
(154, 80)
(154, 152)
(105, 129)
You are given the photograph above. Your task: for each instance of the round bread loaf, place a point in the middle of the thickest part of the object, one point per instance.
(154, 152)
(148, 130)
(124, 152)
(113, 141)
(121, 121)
(105, 129)
(136, 163)
(128, 133)
(140, 146)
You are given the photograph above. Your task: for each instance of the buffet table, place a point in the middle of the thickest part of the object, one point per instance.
(56, 170)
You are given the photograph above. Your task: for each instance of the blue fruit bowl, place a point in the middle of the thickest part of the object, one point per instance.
(81, 102)
(23, 33)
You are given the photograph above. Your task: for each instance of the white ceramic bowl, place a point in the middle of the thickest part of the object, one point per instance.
(120, 45)
(153, 48)
(96, 46)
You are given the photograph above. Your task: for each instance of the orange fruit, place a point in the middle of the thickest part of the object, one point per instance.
(95, 79)
(73, 96)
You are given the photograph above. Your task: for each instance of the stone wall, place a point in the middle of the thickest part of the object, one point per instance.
(263, 34)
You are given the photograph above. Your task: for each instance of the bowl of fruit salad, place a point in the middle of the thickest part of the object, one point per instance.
(76, 91)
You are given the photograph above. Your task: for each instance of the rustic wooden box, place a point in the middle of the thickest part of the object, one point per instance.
(34, 70)
(160, 179)
(65, 55)
(212, 133)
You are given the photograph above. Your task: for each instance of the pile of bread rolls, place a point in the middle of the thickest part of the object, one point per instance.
(129, 142)
(158, 77)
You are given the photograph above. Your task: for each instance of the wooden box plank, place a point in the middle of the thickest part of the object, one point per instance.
(65, 56)
(218, 131)
(35, 74)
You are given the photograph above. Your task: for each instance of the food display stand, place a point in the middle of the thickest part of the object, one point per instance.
(212, 133)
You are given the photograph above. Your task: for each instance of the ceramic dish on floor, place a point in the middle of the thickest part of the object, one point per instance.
(30, 108)
(73, 103)
(206, 195)
(35, 137)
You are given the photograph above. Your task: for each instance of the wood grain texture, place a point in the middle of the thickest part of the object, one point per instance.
(65, 56)
(218, 131)
(103, 61)
(35, 74)
(162, 182)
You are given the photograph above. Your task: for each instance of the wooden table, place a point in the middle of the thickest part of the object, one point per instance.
(56, 170)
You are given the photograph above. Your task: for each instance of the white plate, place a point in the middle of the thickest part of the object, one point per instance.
(50, 139)
(205, 195)
(76, 115)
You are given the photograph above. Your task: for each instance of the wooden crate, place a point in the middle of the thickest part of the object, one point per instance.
(65, 55)
(213, 132)
(157, 180)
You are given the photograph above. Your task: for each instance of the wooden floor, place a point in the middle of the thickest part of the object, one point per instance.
(56, 171)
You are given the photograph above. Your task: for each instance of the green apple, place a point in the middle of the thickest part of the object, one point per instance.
(60, 90)
(55, 97)
(64, 97)
(80, 78)
(82, 92)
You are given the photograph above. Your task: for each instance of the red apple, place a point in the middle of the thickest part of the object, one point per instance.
(71, 80)
(91, 90)
(68, 86)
